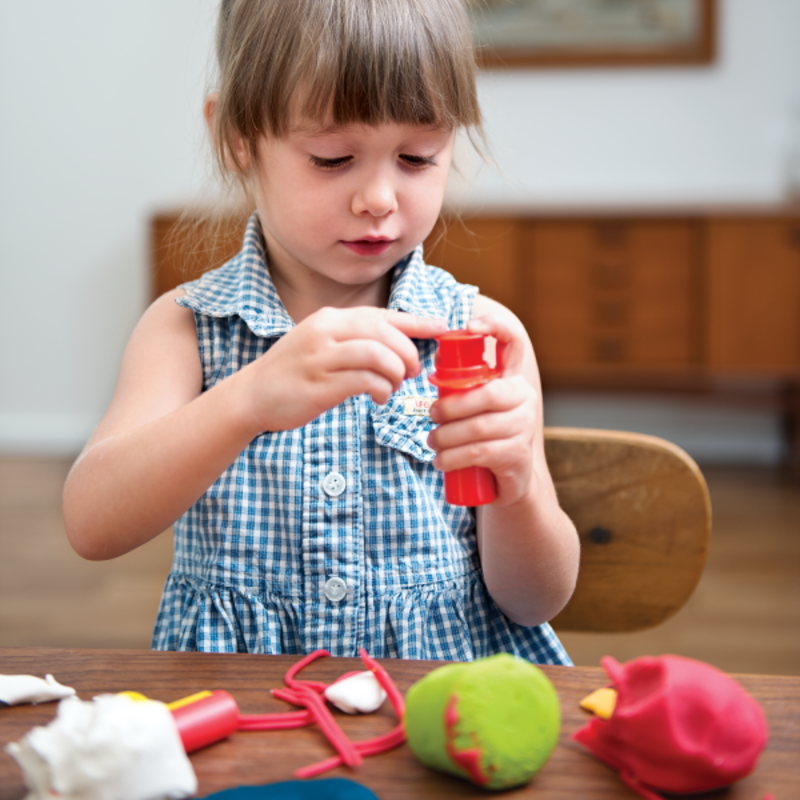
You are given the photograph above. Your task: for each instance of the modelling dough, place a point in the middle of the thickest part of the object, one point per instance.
(357, 694)
(600, 702)
(16, 689)
(494, 721)
(679, 726)
(111, 748)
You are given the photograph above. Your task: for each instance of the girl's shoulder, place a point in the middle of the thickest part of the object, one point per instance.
(486, 305)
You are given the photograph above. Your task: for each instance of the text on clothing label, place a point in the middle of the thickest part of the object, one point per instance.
(417, 406)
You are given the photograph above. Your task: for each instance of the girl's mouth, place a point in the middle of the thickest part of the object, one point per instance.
(369, 246)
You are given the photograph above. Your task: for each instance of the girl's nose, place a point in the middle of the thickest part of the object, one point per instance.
(375, 197)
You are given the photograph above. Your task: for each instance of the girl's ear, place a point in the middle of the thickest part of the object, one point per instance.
(239, 160)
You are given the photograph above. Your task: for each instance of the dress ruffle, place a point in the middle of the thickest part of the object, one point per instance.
(456, 621)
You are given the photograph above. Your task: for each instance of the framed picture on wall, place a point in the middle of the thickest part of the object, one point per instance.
(563, 33)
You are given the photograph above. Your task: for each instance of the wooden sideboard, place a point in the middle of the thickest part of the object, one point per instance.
(690, 300)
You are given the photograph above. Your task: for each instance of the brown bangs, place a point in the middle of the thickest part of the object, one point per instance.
(342, 62)
(386, 61)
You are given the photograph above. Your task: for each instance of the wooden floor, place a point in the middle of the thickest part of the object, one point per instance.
(744, 616)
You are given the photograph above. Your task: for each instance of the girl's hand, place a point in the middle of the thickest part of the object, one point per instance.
(496, 425)
(331, 355)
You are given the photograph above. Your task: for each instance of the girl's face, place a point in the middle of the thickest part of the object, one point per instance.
(340, 206)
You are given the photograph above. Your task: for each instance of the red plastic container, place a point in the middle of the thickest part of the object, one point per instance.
(206, 721)
(460, 367)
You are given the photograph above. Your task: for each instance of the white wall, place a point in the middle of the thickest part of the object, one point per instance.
(100, 106)
(705, 134)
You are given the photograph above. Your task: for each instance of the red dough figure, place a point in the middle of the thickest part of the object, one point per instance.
(679, 725)
(460, 366)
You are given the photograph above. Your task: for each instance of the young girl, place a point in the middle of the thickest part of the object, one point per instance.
(263, 408)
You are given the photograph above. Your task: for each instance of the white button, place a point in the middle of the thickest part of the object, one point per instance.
(334, 589)
(333, 484)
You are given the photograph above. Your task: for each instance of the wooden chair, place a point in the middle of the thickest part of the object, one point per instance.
(642, 510)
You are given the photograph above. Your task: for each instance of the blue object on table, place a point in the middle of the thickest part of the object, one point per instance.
(327, 789)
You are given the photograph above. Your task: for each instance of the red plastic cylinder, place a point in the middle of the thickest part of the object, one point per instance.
(460, 366)
(206, 721)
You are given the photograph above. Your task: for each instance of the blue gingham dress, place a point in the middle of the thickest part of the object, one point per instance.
(335, 535)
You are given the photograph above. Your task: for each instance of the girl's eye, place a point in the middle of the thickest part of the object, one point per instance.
(418, 162)
(330, 163)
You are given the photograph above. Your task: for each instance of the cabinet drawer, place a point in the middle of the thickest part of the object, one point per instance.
(184, 249)
(622, 293)
(754, 295)
(484, 252)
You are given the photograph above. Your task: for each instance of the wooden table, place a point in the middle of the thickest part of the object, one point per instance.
(258, 758)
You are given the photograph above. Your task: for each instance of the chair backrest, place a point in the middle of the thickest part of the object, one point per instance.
(642, 511)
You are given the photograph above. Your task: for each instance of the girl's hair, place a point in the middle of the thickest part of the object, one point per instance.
(340, 62)
(321, 62)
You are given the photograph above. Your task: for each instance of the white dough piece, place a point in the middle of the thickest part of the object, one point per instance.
(359, 694)
(15, 689)
(111, 748)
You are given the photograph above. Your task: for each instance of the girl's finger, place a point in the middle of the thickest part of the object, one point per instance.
(510, 338)
(401, 328)
(503, 394)
(353, 382)
(487, 427)
(413, 326)
(494, 455)
(368, 355)
(392, 328)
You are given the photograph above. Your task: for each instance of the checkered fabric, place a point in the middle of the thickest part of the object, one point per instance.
(335, 535)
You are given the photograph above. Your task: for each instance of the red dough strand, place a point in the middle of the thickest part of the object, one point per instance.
(275, 722)
(308, 694)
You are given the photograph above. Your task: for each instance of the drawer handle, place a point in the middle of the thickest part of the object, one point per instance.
(611, 234)
(611, 274)
(612, 312)
(610, 349)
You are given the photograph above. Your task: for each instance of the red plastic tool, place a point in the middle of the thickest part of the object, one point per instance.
(205, 721)
(460, 366)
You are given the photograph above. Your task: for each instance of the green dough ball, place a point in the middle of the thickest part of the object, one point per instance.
(494, 721)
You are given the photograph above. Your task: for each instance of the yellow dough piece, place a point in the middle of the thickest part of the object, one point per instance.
(187, 701)
(601, 702)
(137, 697)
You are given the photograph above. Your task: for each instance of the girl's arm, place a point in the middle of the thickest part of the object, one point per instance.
(529, 548)
(163, 441)
(159, 445)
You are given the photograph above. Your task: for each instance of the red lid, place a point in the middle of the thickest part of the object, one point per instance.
(458, 349)
(459, 361)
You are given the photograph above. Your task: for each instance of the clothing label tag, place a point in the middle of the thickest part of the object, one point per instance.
(417, 406)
